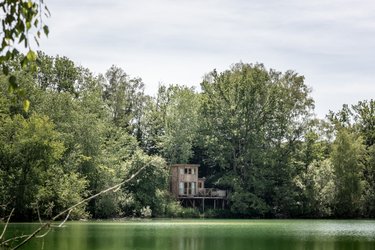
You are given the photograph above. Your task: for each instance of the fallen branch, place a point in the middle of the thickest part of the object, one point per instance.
(39, 218)
(68, 210)
(6, 224)
(5, 242)
(41, 236)
(66, 218)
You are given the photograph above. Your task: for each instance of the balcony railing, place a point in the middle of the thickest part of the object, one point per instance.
(208, 192)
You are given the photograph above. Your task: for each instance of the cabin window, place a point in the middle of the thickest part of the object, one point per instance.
(189, 188)
(181, 171)
(181, 188)
(193, 187)
(193, 171)
(187, 170)
(186, 188)
(199, 185)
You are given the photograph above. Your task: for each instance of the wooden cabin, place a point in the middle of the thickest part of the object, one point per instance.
(184, 180)
(186, 186)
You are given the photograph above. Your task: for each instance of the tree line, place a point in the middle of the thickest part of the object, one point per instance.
(252, 130)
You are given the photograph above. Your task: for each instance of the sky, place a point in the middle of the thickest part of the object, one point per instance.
(330, 42)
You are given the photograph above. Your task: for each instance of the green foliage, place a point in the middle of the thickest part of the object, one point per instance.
(361, 121)
(318, 185)
(247, 203)
(125, 98)
(116, 150)
(148, 189)
(250, 129)
(20, 20)
(152, 125)
(173, 209)
(61, 190)
(365, 119)
(251, 121)
(369, 184)
(30, 155)
(347, 155)
(180, 124)
(57, 73)
(146, 212)
(92, 152)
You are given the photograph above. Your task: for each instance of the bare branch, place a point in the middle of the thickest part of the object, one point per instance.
(5, 242)
(6, 224)
(43, 235)
(66, 218)
(37, 209)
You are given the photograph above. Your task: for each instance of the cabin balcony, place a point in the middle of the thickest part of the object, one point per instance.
(206, 193)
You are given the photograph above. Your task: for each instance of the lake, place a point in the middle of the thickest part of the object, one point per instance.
(207, 234)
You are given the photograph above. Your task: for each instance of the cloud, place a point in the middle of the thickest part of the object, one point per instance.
(331, 42)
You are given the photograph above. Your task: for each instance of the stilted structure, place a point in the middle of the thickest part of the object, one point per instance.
(187, 187)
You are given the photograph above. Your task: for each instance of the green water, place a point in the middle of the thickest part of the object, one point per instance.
(207, 234)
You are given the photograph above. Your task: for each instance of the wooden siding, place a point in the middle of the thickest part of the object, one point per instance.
(178, 175)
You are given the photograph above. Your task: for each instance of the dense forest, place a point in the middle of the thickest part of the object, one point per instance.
(252, 130)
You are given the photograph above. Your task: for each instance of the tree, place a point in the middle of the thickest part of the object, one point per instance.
(318, 185)
(180, 124)
(150, 189)
(97, 153)
(251, 121)
(359, 119)
(30, 167)
(57, 73)
(125, 98)
(364, 115)
(347, 159)
(152, 124)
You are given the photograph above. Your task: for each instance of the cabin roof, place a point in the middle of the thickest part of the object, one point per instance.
(185, 165)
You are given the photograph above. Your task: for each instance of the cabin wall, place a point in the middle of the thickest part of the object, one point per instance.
(185, 173)
(174, 181)
(189, 177)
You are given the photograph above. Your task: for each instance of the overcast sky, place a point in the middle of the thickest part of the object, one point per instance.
(330, 42)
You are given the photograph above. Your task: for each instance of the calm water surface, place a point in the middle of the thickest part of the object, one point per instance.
(208, 234)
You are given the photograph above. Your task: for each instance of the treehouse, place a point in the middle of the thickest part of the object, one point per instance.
(187, 187)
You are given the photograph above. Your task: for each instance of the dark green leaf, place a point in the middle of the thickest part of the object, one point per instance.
(5, 70)
(36, 22)
(22, 38)
(12, 84)
(46, 30)
(13, 81)
(36, 40)
(8, 55)
(24, 62)
(38, 62)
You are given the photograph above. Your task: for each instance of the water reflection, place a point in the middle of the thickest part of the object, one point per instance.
(215, 234)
